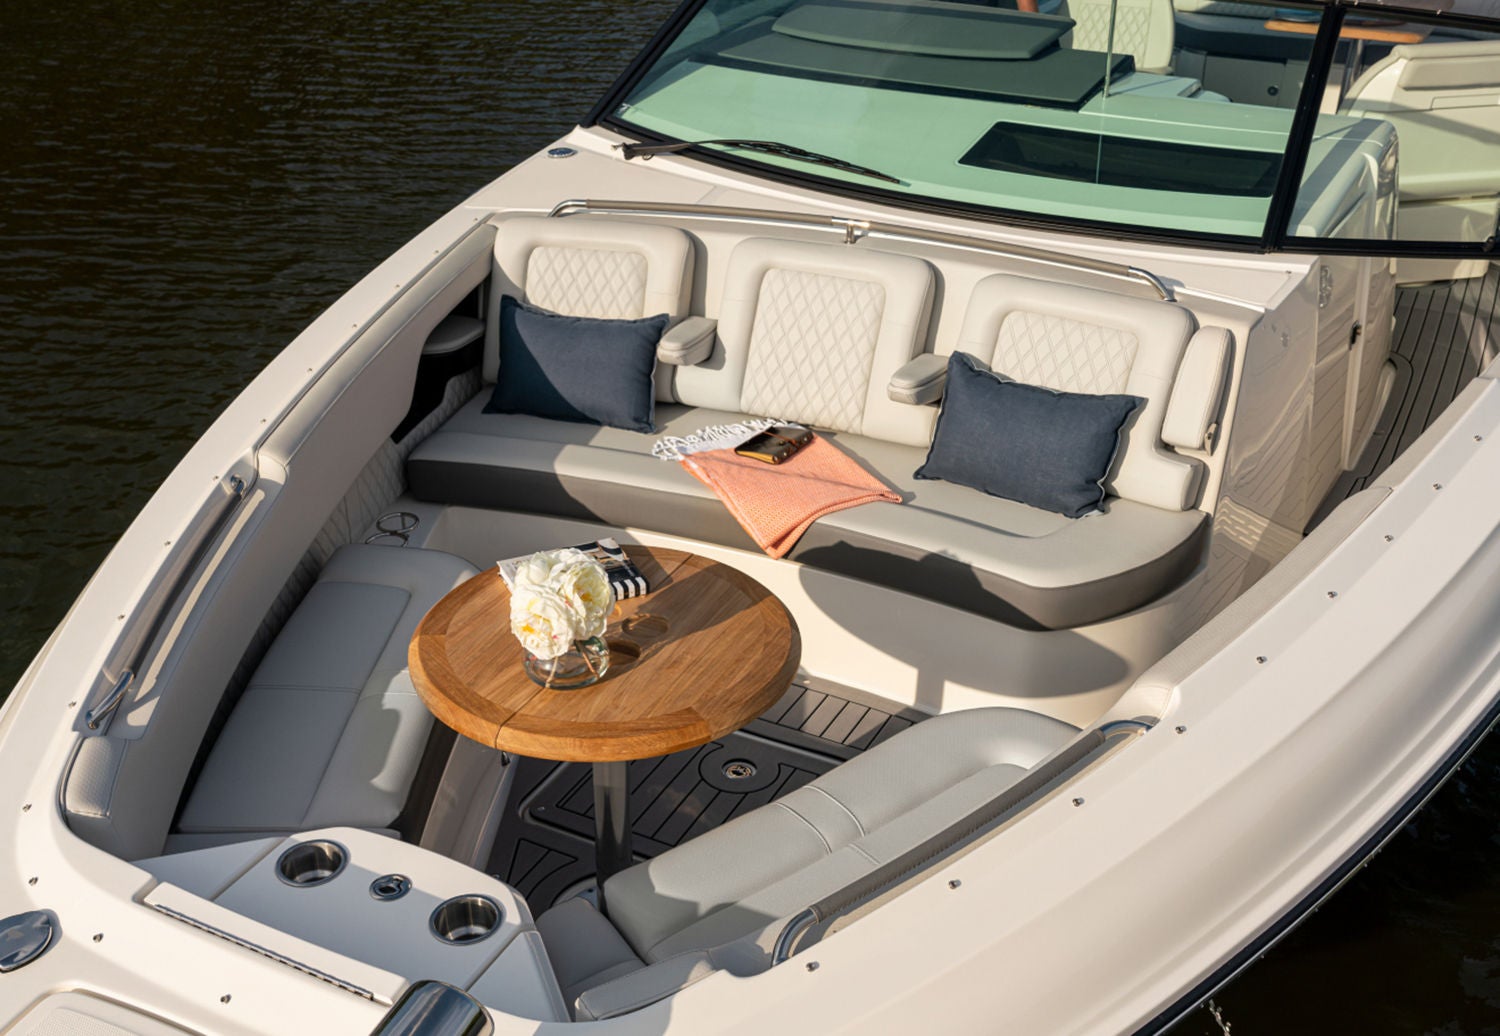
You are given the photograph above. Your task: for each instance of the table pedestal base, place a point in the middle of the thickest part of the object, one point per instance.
(611, 823)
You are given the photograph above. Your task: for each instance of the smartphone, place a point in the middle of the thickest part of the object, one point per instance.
(798, 437)
(775, 445)
(766, 447)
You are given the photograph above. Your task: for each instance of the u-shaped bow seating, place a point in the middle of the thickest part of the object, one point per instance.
(816, 333)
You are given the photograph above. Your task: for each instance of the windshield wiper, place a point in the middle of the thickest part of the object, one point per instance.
(769, 147)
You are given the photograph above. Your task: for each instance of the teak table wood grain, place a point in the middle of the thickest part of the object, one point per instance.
(704, 653)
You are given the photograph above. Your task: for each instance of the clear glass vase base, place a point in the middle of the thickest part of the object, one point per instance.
(583, 666)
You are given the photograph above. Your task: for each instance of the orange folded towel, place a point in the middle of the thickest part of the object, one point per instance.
(775, 503)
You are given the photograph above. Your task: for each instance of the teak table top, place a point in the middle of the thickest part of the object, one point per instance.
(704, 653)
(1389, 32)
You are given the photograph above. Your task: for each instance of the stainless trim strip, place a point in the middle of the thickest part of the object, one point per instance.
(854, 229)
(786, 942)
(1139, 726)
(111, 702)
(306, 969)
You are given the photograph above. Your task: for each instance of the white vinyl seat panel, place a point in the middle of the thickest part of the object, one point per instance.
(1028, 567)
(1073, 339)
(329, 729)
(729, 884)
(585, 267)
(813, 333)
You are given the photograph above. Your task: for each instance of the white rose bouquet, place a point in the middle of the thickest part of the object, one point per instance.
(558, 598)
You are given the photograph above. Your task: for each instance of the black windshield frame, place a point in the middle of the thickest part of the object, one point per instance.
(1274, 237)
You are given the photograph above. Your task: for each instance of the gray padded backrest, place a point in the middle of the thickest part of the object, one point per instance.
(813, 333)
(585, 267)
(1075, 339)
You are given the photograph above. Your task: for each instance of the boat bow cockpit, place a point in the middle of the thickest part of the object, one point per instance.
(1165, 337)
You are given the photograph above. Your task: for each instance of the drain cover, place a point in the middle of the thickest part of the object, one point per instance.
(739, 770)
(25, 937)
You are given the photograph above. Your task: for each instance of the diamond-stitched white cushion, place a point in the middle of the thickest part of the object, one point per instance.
(586, 267)
(587, 282)
(1067, 355)
(812, 347)
(1144, 29)
(814, 332)
(1077, 339)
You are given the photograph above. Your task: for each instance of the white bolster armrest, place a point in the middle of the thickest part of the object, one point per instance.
(687, 342)
(1198, 391)
(919, 380)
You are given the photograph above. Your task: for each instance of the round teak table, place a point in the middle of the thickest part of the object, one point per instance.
(705, 652)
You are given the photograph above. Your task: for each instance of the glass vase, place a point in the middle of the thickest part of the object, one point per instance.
(585, 664)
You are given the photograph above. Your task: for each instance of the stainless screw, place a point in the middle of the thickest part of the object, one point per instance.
(224, 999)
(1260, 659)
(1389, 538)
(31, 881)
(1078, 802)
(1332, 594)
(955, 883)
(1479, 438)
(812, 965)
(26, 808)
(1437, 485)
(1182, 730)
(98, 936)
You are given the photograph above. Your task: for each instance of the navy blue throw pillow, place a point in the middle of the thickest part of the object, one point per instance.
(576, 368)
(1049, 449)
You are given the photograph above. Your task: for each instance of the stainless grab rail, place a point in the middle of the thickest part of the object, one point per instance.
(133, 647)
(433, 1008)
(894, 873)
(854, 229)
(111, 702)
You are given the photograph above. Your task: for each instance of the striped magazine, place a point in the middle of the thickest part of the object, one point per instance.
(624, 578)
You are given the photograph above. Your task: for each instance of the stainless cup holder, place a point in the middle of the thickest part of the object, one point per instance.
(394, 529)
(465, 919)
(310, 864)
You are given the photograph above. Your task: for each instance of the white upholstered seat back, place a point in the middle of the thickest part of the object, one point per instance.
(585, 267)
(1074, 339)
(813, 333)
(1444, 100)
(1144, 29)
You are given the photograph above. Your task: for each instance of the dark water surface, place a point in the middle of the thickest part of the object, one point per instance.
(184, 186)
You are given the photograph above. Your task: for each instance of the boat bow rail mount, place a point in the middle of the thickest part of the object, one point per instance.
(855, 229)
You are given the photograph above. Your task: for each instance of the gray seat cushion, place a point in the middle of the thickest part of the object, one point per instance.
(728, 885)
(329, 730)
(998, 558)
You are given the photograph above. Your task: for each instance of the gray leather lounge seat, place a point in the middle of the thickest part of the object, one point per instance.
(814, 333)
(687, 911)
(329, 730)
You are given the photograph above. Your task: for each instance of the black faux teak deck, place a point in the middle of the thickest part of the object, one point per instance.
(545, 843)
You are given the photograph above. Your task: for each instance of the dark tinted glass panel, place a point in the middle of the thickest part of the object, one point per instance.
(1123, 162)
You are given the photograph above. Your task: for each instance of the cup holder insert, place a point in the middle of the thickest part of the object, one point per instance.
(310, 864)
(645, 626)
(622, 652)
(465, 919)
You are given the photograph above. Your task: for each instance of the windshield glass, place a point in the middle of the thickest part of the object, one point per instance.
(1138, 113)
